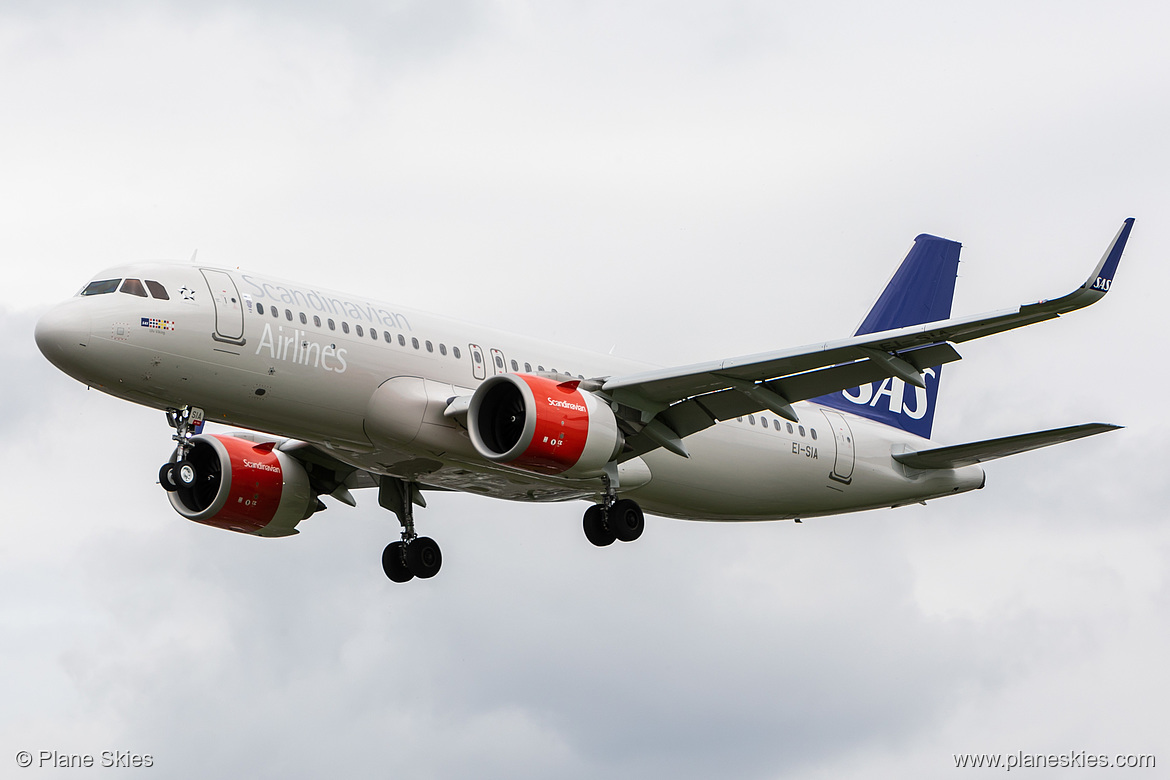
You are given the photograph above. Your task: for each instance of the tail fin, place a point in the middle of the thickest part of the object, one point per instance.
(920, 291)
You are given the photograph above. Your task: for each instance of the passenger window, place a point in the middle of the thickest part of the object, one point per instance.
(304, 319)
(801, 430)
(813, 432)
(528, 367)
(414, 343)
(344, 326)
(275, 312)
(515, 366)
(499, 362)
(763, 421)
(331, 325)
(430, 347)
(401, 340)
(133, 287)
(540, 368)
(386, 336)
(752, 419)
(316, 321)
(102, 287)
(455, 352)
(259, 308)
(443, 349)
(358, 329)
(739, 419)
(373, 334)
(478, 357)
(789, 427)
(288, 314)
(157, 290)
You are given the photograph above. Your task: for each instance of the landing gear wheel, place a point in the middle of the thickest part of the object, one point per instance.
(595, 529)
(394, 562)
(626, 520)
(167, 478)
(423, 557)
(184, 473)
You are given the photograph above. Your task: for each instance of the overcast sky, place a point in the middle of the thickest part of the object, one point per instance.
(675, 181)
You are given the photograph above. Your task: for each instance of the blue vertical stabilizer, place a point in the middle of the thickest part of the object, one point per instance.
(920, 291)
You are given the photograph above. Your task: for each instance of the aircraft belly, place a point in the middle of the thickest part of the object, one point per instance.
(508, 487)
(435, 470)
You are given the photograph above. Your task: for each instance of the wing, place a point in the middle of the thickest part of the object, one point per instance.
(662, 407)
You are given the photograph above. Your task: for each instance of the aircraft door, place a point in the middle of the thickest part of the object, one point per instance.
(499, 365)
(846, 450)
(229, 312)
(477, 367)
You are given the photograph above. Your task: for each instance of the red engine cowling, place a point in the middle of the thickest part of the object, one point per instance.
(541, 425)
(246, 487)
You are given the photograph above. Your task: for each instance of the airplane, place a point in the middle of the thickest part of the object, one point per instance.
(338, 392)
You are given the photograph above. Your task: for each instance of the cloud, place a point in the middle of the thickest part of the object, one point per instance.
(684, 183)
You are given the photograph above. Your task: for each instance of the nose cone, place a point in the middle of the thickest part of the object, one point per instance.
(62, 334)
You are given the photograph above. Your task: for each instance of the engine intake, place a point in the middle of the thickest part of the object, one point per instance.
(541, 425)
(246, 487)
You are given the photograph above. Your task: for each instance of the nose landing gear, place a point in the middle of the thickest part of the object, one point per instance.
(180, 473)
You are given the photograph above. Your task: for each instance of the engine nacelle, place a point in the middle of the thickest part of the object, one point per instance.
(246, 487)
(541, 425)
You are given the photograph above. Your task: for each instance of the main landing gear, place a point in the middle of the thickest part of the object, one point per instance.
(180, 473)
(615, 519)
(413, 556)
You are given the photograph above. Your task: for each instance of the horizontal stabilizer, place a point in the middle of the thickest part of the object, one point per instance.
(980, 451)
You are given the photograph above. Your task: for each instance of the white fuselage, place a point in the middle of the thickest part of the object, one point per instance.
(368, 382)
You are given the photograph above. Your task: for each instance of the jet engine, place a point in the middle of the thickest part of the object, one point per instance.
(243, 486)
(542, 425)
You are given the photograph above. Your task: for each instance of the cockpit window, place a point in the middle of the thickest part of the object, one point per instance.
(157, 290)
(101, 288)
(133, 287)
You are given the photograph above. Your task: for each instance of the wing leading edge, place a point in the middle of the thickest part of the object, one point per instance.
(666, 405)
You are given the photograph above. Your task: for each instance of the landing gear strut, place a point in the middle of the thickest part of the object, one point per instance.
(179, 473)
(413, 556)
(615, 519)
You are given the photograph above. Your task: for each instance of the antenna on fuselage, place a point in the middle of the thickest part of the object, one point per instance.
(193, 254)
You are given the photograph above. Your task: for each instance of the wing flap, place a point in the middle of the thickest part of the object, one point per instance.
(812, 384)
(702, 411)
(981, 451)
